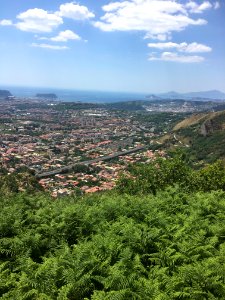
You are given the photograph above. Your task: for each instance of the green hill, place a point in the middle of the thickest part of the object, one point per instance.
(202, 135)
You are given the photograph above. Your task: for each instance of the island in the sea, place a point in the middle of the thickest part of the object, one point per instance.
(50, 96)
(5, 94)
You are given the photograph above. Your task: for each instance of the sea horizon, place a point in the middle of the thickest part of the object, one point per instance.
(73, 95)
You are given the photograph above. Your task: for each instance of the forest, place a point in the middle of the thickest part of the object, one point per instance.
(160, 234)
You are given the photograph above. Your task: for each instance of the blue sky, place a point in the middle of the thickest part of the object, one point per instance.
(133, 45)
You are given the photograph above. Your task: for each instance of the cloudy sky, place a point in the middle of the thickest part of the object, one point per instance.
(131, 45)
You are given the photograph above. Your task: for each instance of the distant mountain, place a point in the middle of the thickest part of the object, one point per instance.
(170, 95)
(5, 93)
(212, 94)
(153, 97)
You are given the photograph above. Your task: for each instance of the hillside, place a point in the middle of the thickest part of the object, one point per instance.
(203, 136)
(194, 119)
(166, 243)
(128, 105)
(166, 105)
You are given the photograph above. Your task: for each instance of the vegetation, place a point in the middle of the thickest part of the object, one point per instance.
(202, 136)
(208, 148)
(161, 240)
(47, 96)
(163, 173)
(76, 106)
(21, 180)
(127, 105)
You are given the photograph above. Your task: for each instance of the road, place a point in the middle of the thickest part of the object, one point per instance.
(87, 162)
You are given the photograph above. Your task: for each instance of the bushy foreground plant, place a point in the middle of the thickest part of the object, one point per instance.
(169, 246)
(158, 175)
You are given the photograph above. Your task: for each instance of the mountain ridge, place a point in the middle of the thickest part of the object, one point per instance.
(210, 94)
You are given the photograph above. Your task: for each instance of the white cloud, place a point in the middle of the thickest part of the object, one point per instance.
(162, 46)
(194, 7)
(38, 20)
(160, 37)
(64, 36)
(216, 5)
(75, 11)
(175, 57)
(182, 47)
(157, 18)
(114, 6)
(197, 48)
(48, 46)
(6, 23)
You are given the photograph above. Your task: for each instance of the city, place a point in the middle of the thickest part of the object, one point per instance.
(43, 137)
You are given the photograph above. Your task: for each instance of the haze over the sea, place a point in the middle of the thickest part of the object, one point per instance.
(76, 95)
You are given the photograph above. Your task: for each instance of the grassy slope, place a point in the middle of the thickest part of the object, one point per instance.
(210, 147)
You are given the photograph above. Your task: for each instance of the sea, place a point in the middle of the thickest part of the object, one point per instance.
(67, 95)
